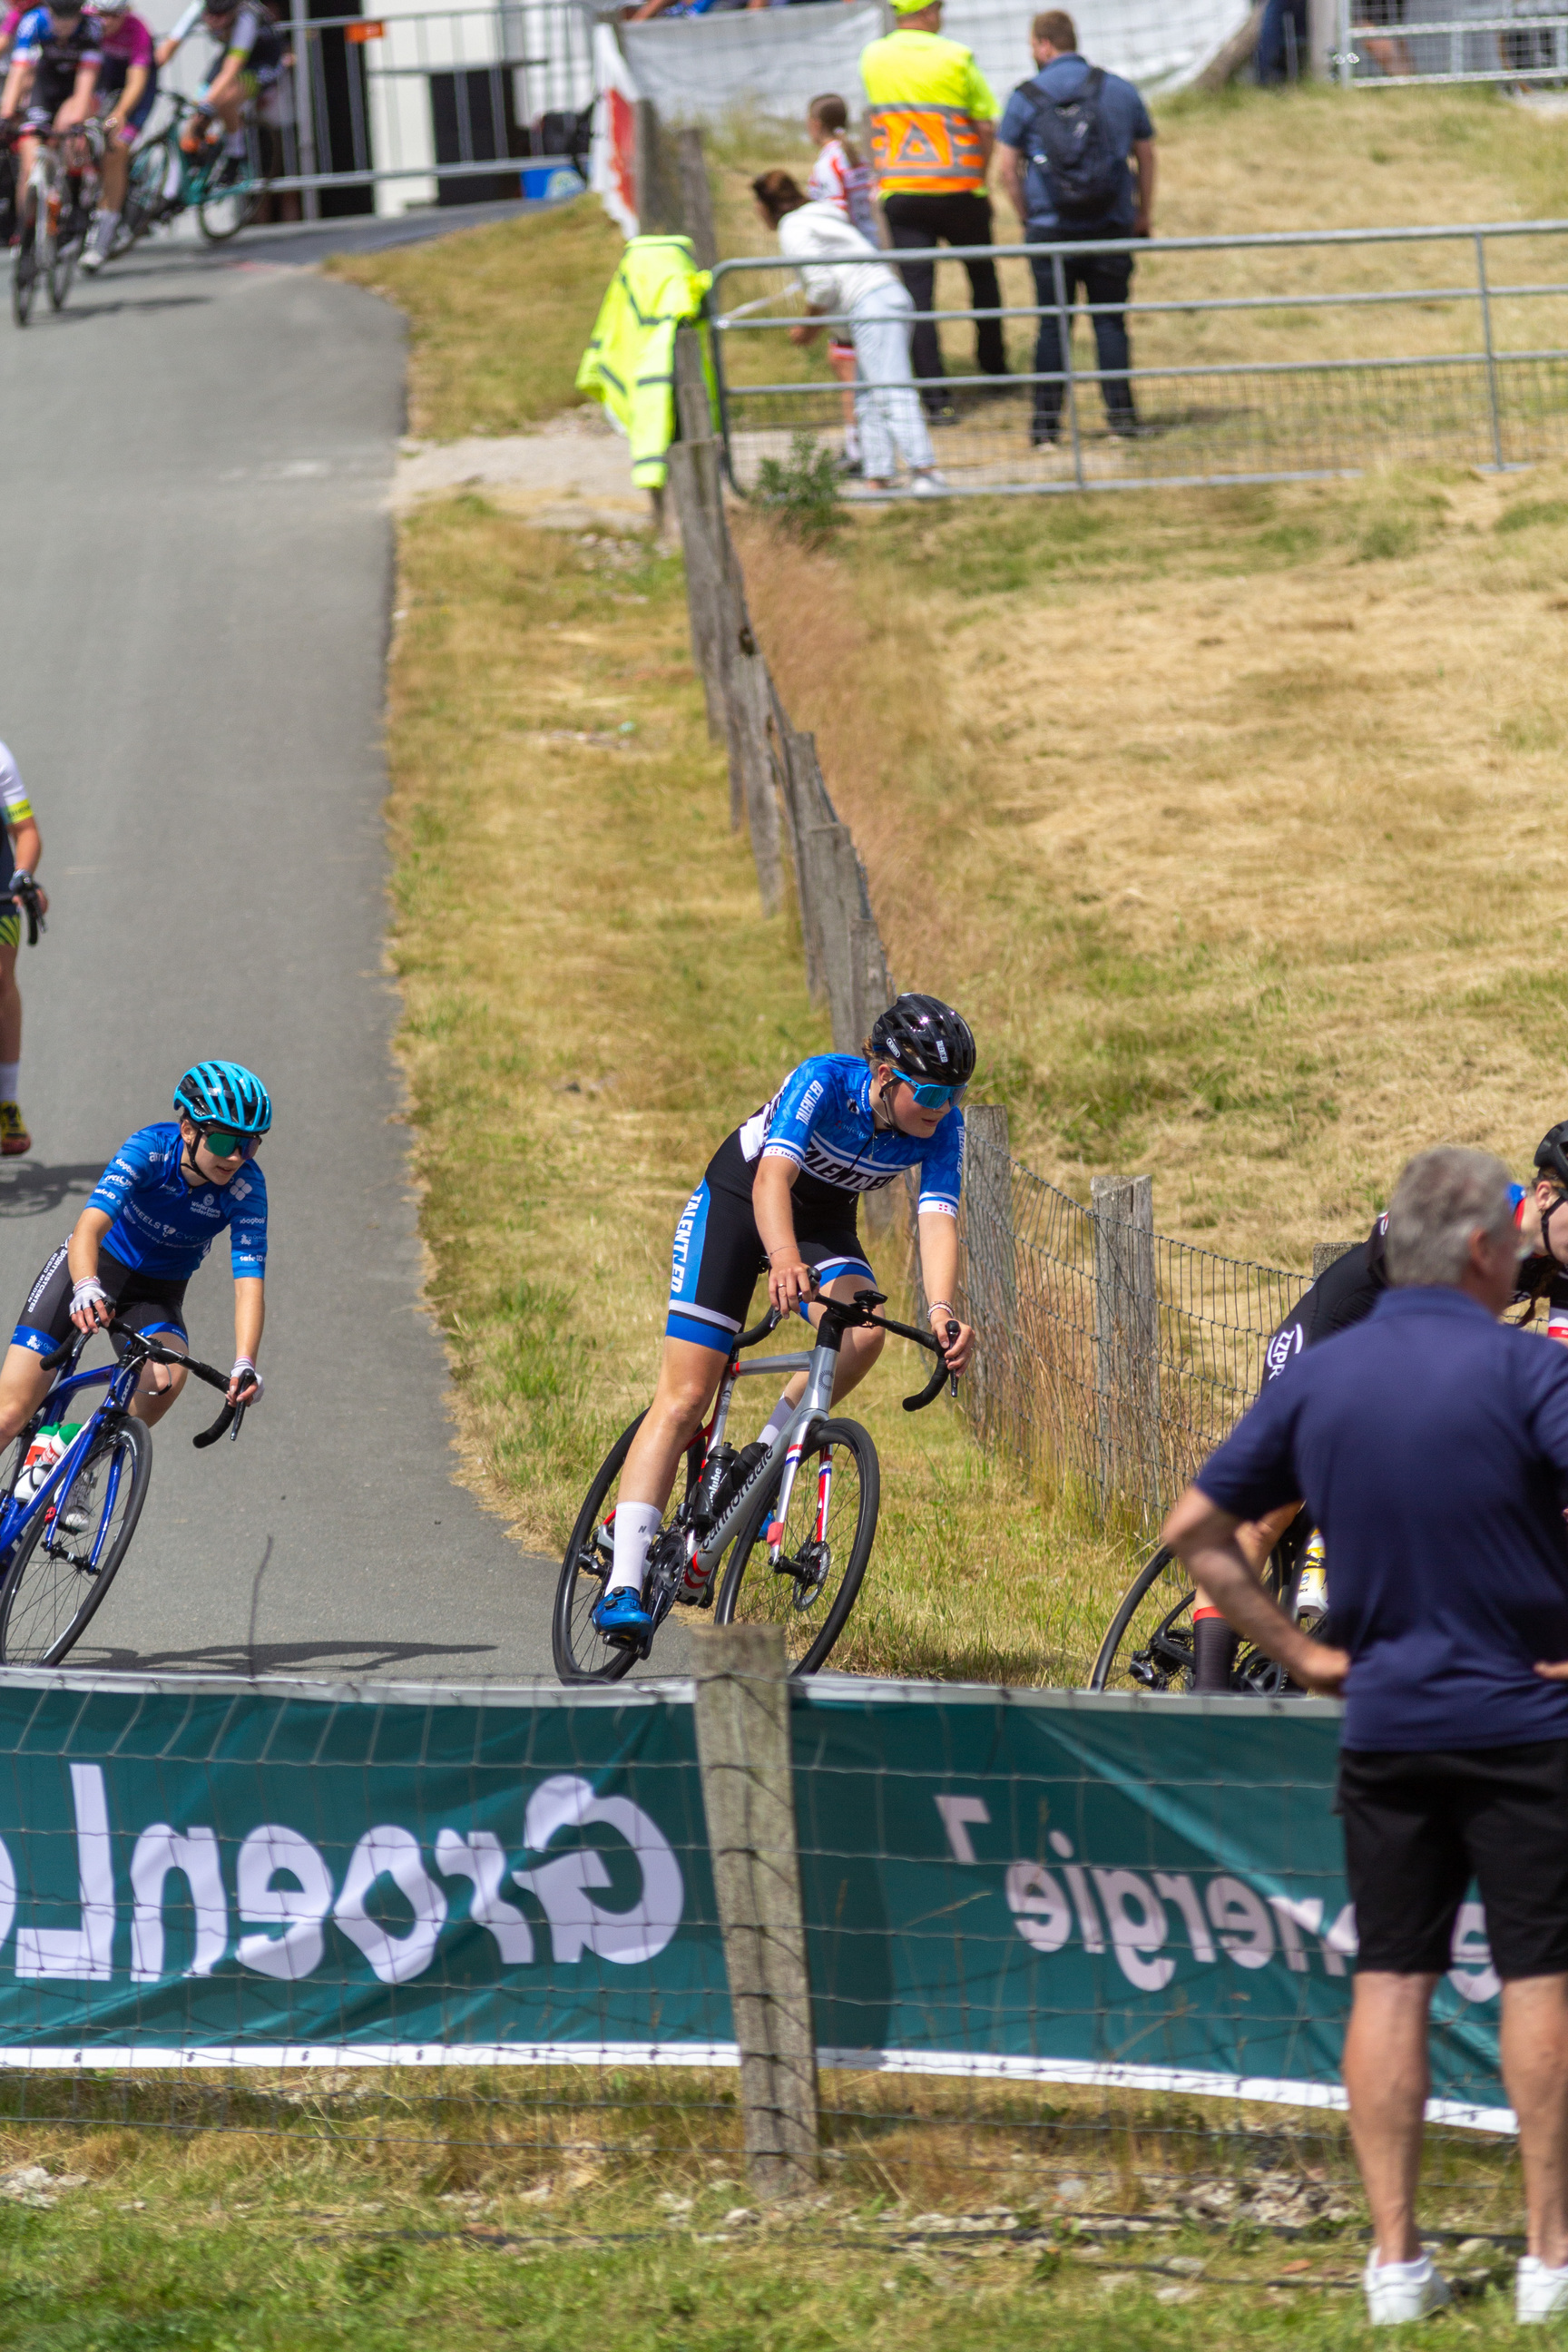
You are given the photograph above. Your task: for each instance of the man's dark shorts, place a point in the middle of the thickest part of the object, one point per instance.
(1419, 1828)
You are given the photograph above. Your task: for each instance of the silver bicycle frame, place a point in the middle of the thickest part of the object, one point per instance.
(821, 1367)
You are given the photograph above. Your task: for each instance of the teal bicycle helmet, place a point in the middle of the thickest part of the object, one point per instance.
(225, 1094)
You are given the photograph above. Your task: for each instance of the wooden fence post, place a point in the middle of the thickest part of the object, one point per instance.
(658, 214)
(1126, 1339)
(696, 198)
(990, 1259)
(743, 1751)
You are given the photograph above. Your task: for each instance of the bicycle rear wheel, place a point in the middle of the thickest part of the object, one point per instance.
(66, 1560)
(145, 180)
(827, 1534)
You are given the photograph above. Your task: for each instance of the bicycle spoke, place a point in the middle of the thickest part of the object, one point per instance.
(69, 1553)
(822, 1544)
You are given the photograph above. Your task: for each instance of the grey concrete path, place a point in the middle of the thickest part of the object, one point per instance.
(198, 554)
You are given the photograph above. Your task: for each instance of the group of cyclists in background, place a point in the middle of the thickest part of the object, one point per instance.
(85, 81)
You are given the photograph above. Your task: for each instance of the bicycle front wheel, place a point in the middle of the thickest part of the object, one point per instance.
(64, 254)
(25, 271)
(1149, 1643)
(235, 194)
(67, 1560)
(825, 1543)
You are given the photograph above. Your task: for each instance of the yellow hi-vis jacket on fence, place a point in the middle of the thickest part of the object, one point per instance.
(630, 362)
(927, 98)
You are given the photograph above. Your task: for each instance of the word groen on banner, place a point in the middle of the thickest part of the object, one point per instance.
(261, 1871)
(1057, 1887)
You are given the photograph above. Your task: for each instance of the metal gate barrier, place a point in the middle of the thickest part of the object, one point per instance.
(1396, 44)
(1370, 346)
(413, 107)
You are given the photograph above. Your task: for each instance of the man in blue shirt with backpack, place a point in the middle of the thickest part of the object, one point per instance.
(1076, 149)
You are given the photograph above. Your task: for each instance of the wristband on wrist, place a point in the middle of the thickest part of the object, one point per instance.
(947, 1303)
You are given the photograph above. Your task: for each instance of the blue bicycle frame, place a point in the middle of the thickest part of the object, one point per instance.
(121, 1381)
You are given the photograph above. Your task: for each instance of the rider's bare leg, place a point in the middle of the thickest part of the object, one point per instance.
(1213, 1644)
(160, 1383)
(24, 1385)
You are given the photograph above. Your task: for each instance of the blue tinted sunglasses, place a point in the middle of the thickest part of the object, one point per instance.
(934, 1098)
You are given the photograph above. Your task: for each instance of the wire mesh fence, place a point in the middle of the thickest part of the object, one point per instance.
(1112, 1359)
(1252, 359)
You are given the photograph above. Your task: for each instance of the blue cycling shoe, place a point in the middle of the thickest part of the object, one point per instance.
(620, 1615)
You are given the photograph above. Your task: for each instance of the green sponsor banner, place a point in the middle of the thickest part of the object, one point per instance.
(1060, 1886)
(266, 1872)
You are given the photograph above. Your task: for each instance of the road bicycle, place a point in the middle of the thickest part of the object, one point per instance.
(1149, 1643)
(798, 1529)
(62, 1541)
(170, 174)
(54, 213)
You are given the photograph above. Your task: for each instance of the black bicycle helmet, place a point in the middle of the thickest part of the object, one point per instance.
(925, 1040)
(1552, 1152)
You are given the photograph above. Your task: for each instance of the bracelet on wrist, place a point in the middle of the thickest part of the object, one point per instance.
(945, 1302)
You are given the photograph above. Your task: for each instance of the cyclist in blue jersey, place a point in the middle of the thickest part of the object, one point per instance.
(150, 1220)
(780, 1198)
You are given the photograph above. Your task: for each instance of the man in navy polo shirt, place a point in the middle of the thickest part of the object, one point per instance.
(1431, 1445)
(1108, 192)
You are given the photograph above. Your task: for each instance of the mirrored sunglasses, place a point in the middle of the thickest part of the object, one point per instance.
(223, 1142)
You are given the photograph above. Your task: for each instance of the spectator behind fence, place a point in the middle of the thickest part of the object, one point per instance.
(1431, 1445)
(1069, 145)
(932, 122)
(1284, 37)
(844, 275)
(840, 178)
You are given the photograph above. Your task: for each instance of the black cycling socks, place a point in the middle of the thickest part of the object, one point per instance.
(1214, 1654)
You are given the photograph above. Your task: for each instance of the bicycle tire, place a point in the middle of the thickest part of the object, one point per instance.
(580, 1585)
(144, 184)
(1131, 1600)
(223, 211)
(36, 1629)
(1166, 1655)
(24, 272)
(65, 253)
(752, 1537)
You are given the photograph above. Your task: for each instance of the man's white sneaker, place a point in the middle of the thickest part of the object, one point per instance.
(1539, 2294)
(1397, 2293)
(928, 486)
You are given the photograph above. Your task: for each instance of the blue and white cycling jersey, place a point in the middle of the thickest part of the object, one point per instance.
(821, 1118)
(163, 1226)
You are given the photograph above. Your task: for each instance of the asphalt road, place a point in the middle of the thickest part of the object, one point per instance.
(197, 577)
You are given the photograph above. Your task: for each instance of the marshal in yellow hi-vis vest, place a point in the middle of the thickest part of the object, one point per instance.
(927, 99)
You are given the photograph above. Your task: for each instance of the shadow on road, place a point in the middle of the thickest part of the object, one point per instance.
(355, 1658)
(33, 1192)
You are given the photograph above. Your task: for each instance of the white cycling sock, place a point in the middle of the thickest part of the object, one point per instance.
(636, 1524)
(234, 143)
(777, 1421)
(10, 1079)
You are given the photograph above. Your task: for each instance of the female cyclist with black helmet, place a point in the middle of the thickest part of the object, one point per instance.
(780, 1197)
(150, 1220)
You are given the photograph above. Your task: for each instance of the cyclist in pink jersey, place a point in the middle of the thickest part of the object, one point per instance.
(840, 178)
(9, 20)
(127, 92)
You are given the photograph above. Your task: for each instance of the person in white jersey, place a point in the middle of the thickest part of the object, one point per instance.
(845, 276)
(25, 848)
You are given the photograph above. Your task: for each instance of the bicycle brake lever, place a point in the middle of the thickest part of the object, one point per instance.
(237, 1425)
(951, 1335)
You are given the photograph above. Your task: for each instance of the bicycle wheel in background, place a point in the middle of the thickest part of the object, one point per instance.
(1149, 1645)
(66, 1560)
(67, 250)
(828, 1531)
(234, 192)
(25, 269)
(145, 180)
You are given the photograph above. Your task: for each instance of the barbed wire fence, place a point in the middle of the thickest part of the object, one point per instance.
(1111, 1358)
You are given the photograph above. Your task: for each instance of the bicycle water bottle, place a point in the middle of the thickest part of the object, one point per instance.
(1312, 1587)
(715, 1471)
(41, 1457)
(1557, 1320)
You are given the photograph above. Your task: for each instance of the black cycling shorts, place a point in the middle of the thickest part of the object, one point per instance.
(1418, 1828)
(148, 1302)
(719, 1255)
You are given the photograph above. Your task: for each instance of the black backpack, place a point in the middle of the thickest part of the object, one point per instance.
(1073, 142)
